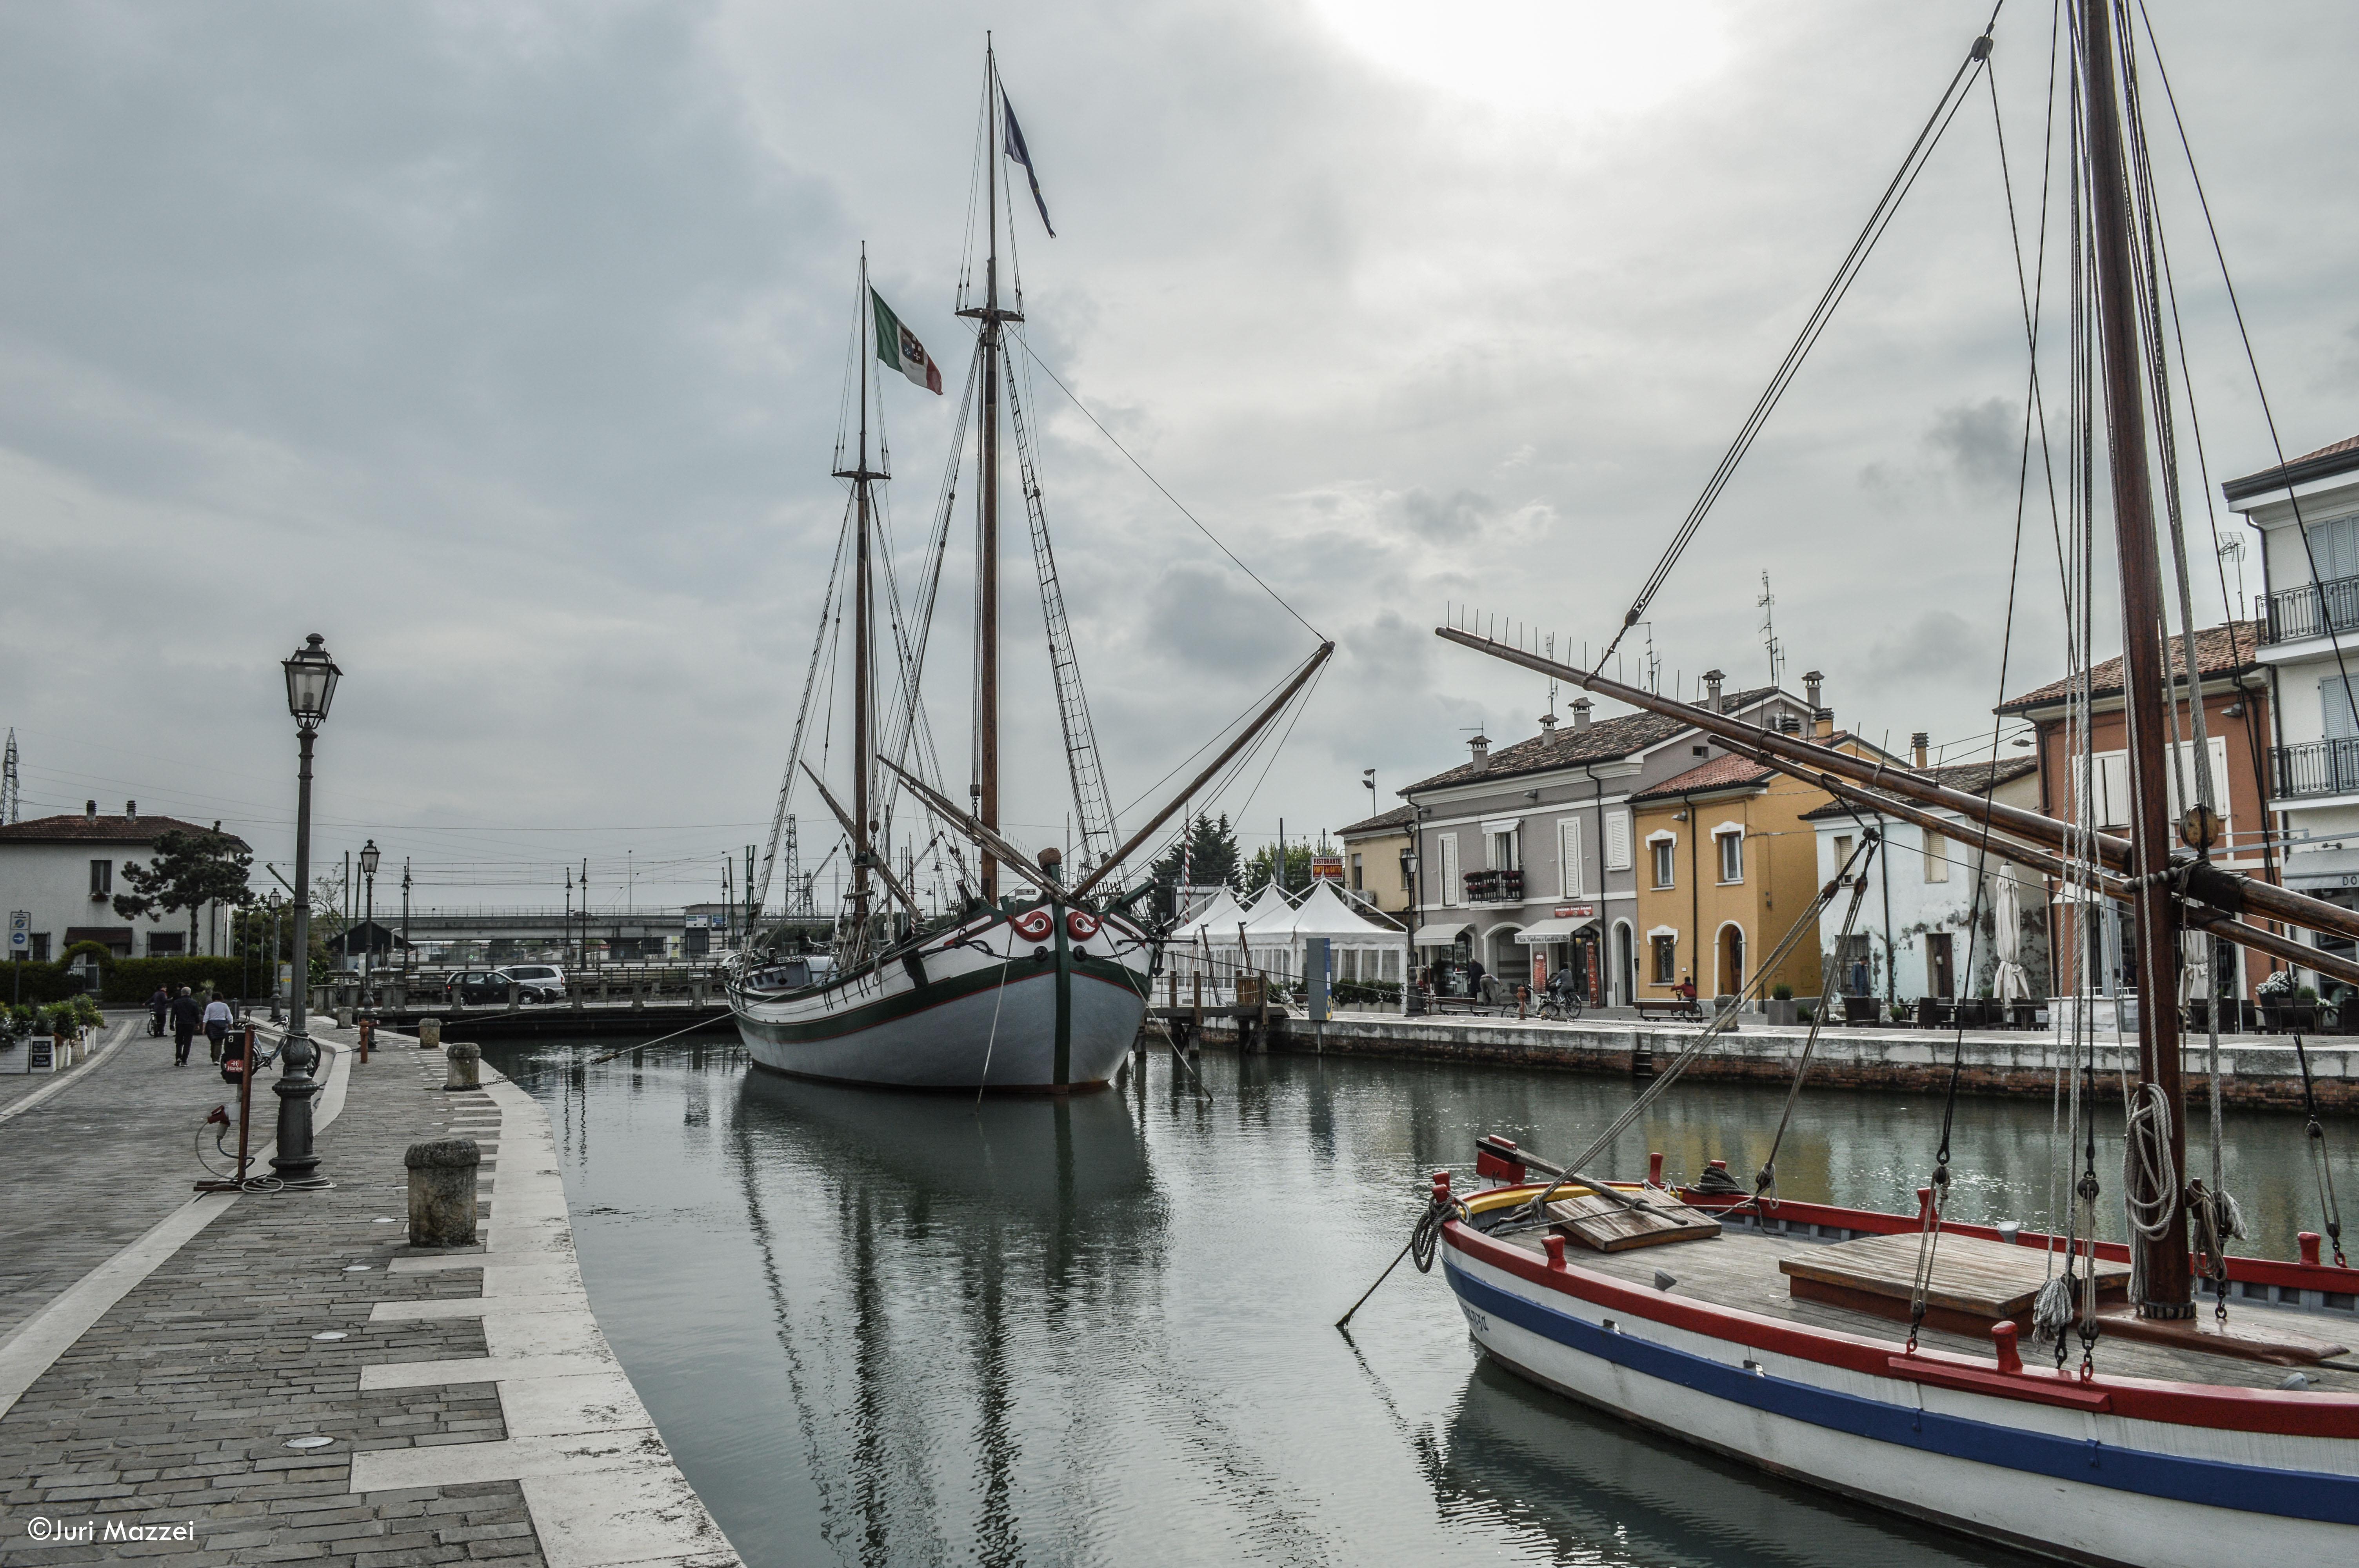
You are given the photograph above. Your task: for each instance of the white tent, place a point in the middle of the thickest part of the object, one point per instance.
(1278, 933)
(1221, 915)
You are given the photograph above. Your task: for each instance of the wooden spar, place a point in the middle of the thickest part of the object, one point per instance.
(2168, 1293)
(1277, 706)
(2223, 889)
(984, 839)
(2221, 926)
(861, 475)
(986, 592)
(884, 872)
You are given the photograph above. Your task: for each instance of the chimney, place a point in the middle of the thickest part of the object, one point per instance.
(90, 810)
(1711, 679)
(1812, 680)
(1822, 722)
(1917, 744)
(131, 810)
(1580, 714)
(1482, 747)
(1547, 725)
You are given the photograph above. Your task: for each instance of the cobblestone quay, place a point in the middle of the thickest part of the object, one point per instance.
(293, 1382)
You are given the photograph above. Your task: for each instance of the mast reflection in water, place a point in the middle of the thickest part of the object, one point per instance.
(884, 1329)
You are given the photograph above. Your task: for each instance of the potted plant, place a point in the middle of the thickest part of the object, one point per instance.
(1782, 1006)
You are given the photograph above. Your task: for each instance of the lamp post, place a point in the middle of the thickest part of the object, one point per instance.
(369, 856)
(311, 677)
(405, 920)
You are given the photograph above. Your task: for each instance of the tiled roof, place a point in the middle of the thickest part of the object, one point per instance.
(1399, 816)
(1721, 773)
(75, 828)
(1607, 740)
(2218, 650)
(1971, 777)
(2326, 462)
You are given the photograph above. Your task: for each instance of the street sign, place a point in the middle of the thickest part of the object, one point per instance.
(20, 932)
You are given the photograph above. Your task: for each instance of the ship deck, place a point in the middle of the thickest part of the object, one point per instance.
(1739, 1269)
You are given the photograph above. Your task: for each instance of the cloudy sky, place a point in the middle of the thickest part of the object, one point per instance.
(503, 345)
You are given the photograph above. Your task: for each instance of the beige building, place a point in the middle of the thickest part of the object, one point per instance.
(1373, 864)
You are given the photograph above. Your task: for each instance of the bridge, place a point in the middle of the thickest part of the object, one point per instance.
(635, 933)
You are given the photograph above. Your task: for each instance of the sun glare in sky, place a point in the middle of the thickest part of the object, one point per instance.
(1567, 57)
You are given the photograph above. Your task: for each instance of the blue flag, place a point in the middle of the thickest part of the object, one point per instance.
(1014, 142)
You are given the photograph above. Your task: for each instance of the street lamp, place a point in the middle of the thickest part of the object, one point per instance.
(311, 677)
(368, 916)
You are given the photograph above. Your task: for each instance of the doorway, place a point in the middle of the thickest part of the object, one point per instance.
(1732, 960)
(1937, 978)
(1625, 964)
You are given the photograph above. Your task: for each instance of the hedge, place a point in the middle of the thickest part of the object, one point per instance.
(129, 982)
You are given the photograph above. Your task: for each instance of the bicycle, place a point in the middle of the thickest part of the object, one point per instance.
(1560, 1007)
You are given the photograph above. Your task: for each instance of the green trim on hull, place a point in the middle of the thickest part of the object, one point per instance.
(938, 993)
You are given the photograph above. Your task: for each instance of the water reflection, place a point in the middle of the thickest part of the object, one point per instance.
(886, 1329)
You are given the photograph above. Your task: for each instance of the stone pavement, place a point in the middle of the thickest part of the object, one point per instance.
(285, 1322)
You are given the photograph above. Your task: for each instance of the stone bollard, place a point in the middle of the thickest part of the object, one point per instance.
(514, 996)
(442, 1192)
(430, 1034)
(343, 1018)
(463, 1060)
(573, 994)
(640, 996)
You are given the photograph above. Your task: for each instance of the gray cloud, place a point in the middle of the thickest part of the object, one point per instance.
(504, 347)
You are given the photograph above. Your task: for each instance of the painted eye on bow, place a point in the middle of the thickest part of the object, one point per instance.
(1034, 924)
(1081, 925)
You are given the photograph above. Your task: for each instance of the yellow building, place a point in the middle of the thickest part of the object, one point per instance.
(1373, 867)
(1726, 866)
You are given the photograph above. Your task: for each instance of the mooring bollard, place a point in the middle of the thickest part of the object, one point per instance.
(442, 1191)
(368, 1033)
(640, 996)
(463, 1060)
(430, 1034)
(343, 1018)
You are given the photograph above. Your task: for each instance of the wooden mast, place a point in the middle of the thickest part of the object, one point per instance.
(2144, 682)
(986, 674)
(861, 475)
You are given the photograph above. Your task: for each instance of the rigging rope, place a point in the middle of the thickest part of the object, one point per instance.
(1904, 180)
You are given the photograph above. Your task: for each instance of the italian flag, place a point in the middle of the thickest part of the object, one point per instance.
(899, 347)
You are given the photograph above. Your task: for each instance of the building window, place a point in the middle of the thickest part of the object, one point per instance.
(102, 878)
(1936, 857)
(40, 946)
(1502, 852)
(1567, 857)
(1617, 840)
(1356, 885)
(1732, 857)
(1665, 852)
(163, 943)
(1666, 950)
(1843, 855)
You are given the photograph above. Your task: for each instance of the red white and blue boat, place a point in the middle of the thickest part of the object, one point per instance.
(1890, 1356)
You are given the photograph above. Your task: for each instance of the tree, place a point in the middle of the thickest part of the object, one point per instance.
(1212, 856)
(1263, 865)
(191, 870)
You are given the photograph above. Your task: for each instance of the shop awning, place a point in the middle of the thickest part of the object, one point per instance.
(1442, 936)
(1542, 933)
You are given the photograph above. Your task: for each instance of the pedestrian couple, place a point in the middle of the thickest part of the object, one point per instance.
(214, 1017)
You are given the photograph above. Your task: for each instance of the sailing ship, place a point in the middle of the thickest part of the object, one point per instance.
(1889, 1355)
(1040, 987)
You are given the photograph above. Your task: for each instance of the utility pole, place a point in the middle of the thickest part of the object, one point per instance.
(12, 803)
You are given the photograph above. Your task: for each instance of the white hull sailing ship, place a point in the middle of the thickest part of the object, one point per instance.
(1042, 989)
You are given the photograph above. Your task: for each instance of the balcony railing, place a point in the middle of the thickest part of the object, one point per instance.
(1494, 887)
(2313, 611)
(2319, 767)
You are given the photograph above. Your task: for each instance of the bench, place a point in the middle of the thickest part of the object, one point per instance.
(1681, 1009)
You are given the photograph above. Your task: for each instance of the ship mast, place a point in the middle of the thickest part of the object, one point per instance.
(986, 788)
(2165, 1270)
(862, 476)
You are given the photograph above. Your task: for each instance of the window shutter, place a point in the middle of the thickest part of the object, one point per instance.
(1617, 840)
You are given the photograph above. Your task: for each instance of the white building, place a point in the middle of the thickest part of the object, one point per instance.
(1918, 926)
(64, 871)
(2308, 513)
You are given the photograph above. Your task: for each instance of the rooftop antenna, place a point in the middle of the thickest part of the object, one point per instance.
(1652, 668)
(1768, 602)
(2231, 549)
(1551, 658)
(12, 799)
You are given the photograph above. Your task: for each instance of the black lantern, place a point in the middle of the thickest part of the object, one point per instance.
(369, 858)
(312, 678)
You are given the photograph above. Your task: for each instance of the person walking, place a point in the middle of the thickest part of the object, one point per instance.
(157, 1006)
(218, 1018)
(1474, 977)
(185, 1014)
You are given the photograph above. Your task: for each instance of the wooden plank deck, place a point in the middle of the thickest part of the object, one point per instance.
(1739, 1269)
(1972, 1275)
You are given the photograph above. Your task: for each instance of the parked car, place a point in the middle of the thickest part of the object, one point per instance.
(547, 975)
(492, 985)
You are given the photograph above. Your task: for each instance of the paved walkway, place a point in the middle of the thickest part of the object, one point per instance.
(295, 1317)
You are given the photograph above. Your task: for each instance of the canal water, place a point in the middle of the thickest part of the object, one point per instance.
(886, 1330)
